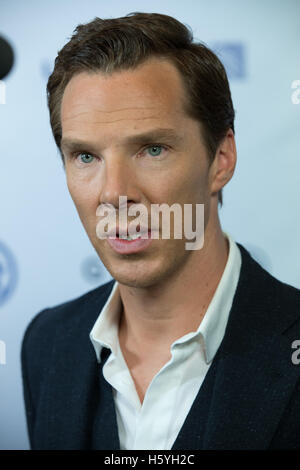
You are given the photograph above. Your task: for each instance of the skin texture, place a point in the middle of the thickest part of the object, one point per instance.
(166, 289)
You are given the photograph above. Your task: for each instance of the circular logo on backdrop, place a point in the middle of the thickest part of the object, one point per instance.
(8, 273)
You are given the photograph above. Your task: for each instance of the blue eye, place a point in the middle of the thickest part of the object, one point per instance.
(86, 157)
(155, 150)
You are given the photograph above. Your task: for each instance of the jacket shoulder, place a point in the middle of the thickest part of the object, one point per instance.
(66, 315)
(54, 334)
(253, 268)
(280, 299)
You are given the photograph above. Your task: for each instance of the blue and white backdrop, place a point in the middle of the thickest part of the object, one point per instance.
(45, 255)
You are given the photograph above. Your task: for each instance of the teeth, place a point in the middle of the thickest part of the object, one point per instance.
(134, 237)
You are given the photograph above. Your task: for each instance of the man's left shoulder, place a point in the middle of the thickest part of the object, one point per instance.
(65, 320)
(264, 289)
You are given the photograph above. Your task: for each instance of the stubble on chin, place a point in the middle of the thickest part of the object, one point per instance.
(143, 270)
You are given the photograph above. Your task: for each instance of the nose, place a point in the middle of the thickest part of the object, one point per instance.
(117, 181)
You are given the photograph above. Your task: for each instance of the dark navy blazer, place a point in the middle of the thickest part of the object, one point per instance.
(250, 398)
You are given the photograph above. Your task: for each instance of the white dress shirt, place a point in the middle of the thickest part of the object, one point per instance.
(156, 422)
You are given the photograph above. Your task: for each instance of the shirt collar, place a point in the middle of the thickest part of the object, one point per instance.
(211, 329)
(105, 330)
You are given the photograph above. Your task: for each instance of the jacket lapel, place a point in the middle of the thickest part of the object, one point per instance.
(192, 433)
(105, 430)
(251, 378)
(71, 409)
(255, 375)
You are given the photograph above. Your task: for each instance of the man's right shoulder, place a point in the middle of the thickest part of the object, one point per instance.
(80, 312)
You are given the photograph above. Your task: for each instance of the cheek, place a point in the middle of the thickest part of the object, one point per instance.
(189, 185)
(84, 198)
(195, 180)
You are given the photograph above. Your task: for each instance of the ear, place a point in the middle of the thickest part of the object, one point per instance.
(222, 168)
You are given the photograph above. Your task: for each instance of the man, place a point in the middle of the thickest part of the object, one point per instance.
(186, 349)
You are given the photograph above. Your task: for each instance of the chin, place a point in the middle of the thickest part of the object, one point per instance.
(137, 276)
(138, 273)
(138, 283)
(143, 271)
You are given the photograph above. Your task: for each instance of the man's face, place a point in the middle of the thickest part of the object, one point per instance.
(169, 164)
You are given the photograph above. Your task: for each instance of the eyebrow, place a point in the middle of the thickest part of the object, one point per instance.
(153, 136)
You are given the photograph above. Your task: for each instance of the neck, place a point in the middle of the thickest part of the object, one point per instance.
(163, 313)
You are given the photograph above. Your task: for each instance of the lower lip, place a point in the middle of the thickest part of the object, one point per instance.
(127, 247)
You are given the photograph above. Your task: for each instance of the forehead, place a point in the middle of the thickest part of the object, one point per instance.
(135, 98)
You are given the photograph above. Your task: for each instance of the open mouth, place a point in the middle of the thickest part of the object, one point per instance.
(139, 234)
(133, 237)
(129, 244)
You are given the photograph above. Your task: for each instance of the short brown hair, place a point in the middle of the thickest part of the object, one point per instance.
(114, 44)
